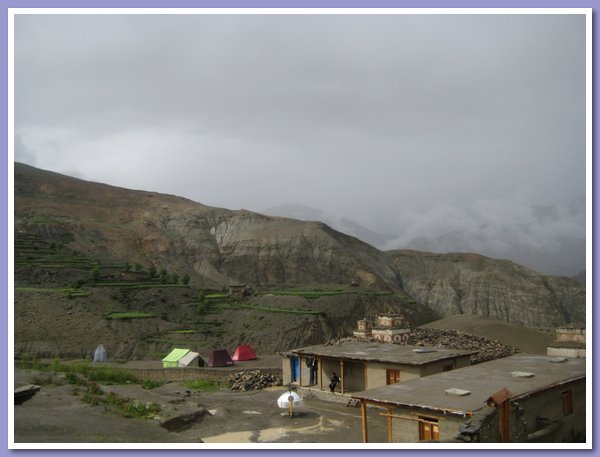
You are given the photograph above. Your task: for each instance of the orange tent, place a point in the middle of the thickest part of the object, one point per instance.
(244, 352)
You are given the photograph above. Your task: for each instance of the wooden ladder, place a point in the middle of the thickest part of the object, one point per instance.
(353, 402)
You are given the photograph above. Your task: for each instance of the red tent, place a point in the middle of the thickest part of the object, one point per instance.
(244, 352)
(219, 358)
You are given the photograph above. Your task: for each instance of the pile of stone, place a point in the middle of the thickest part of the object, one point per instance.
(252, 380)
(447, 339)
(454, 339)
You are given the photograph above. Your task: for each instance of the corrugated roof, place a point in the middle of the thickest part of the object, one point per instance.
(482, 380)
(175, 355)
(382, 352)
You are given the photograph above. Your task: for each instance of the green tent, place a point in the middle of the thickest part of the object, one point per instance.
(170, 361)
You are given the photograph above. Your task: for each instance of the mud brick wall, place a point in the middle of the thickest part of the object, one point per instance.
(191, 374)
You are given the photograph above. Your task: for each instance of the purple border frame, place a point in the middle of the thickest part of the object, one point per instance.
(594, 4)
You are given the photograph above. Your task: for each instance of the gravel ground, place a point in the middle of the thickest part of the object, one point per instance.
(55, 415)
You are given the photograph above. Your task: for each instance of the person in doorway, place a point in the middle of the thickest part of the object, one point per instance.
(334, 382)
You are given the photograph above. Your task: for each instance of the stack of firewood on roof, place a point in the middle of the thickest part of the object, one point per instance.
(447, 339)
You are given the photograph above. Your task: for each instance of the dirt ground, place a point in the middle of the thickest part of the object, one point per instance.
(56, 415)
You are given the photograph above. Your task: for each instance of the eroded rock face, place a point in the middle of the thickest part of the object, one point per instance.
(474, 284)
(217, 247)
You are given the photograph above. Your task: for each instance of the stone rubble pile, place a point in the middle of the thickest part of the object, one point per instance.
(252, 380)
(447, 339)
(455, 339)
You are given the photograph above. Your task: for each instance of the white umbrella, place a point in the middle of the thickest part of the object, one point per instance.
(284, 399)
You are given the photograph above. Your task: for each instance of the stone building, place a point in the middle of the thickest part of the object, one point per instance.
(389, 328)
(367, 365)
(522, 398)
(569, 342)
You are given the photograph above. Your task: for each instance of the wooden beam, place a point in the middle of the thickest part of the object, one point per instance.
(300, 370)
(406, 418)
(342, 374)
(390, 440)
(366, 376)
(363, 414)
(320, 367)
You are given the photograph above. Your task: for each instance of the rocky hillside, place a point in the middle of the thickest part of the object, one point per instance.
(473, 284)
(217, 247)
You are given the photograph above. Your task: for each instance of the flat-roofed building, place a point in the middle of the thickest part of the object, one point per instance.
(522, 398)
(569, 342)
(366, 365)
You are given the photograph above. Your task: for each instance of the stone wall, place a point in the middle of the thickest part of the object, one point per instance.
(191, 374)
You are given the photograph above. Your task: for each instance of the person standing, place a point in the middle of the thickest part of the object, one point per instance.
(334, 382)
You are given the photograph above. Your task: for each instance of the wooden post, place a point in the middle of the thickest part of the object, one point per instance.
(299, 370)
(363, 414)
(390, 439)
(320, 373)
(366, 377)
(342, 374)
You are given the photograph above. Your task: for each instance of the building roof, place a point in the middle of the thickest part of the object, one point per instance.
(481, 381)
(175, 355)
(383, 352)
(567, 345)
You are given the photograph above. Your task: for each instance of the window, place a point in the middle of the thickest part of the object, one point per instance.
(429, 429)
(392, 376)
(567, 402)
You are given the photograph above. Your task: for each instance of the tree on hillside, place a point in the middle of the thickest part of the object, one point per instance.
(186, 279)
(95, 274)
(163, 275)
(175, 278)
(137, 267)
(202, 302)
(126, 267)
(152, 271)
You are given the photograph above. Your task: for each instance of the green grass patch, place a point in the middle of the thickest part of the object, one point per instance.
(129, 315)
(151, 384)
(203, 385)
(68, 291)
(126, 407)
(268, 309)
(310, 293)
(125, 285)
(216, 296)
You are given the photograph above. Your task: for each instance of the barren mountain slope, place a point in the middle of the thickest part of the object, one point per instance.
(501, 289)
(215, 246)
(218, 247)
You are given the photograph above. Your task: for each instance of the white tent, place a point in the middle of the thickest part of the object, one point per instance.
(100, 354)
(191, 359)
(284, 402)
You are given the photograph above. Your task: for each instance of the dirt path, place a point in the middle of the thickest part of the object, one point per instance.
(55, 415)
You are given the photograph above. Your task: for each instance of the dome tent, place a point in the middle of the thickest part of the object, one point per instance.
(244, 352)
(100, 354)
(219, 358)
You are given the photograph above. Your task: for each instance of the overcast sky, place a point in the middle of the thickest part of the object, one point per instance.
(437, 132)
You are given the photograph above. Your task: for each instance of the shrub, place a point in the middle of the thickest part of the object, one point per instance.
(55, 364)
(73, 378)
(77, 283)
(186, 279)
(43, 379)
(111, 375)
(151, 384)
